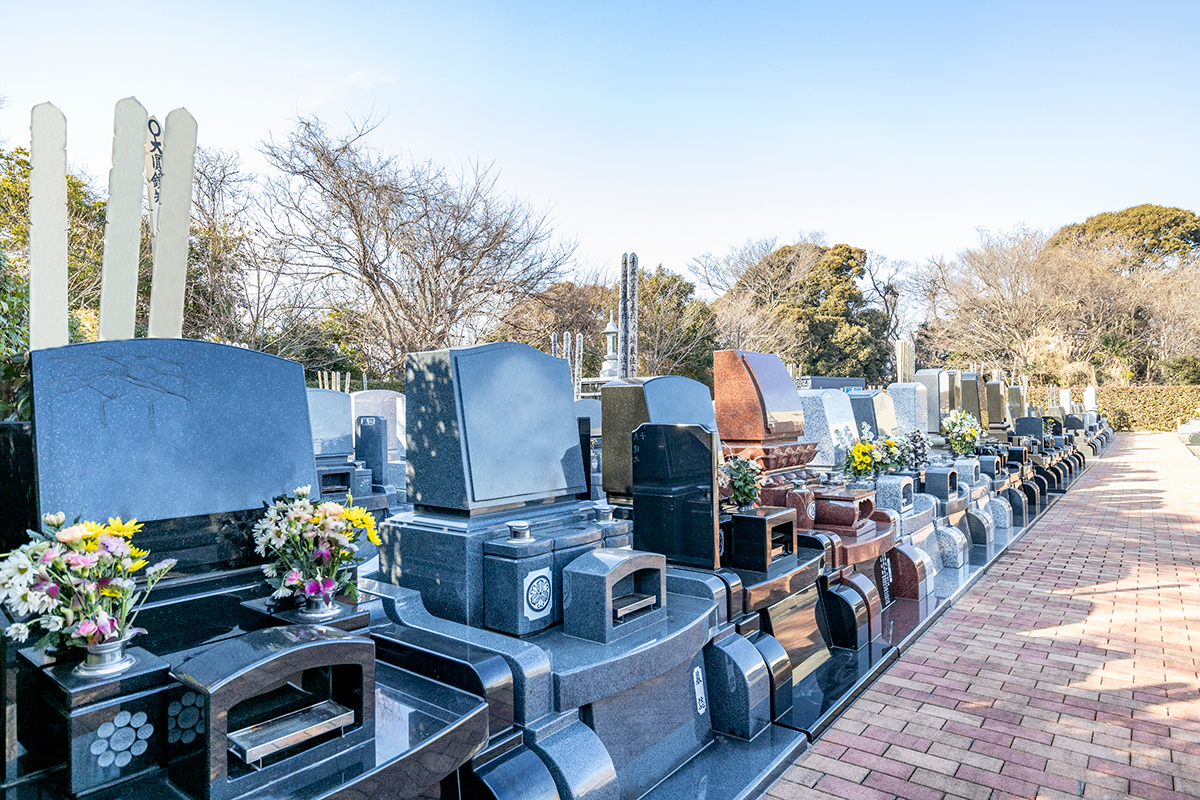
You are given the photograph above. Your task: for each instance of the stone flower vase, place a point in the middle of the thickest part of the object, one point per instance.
(106, 659)
(318, 606)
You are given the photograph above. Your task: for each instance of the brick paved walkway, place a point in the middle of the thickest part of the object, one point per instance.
(1071, 670)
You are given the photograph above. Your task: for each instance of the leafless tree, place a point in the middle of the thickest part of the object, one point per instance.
(426, 258)
(675, 328)
(1065, 311)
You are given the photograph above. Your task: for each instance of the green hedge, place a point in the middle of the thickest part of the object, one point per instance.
(1141, 408)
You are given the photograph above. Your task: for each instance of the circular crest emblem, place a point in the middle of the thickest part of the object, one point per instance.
(812, 510)
(538, 593)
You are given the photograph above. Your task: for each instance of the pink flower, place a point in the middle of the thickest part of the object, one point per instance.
(320, 587)
(47, 587)
(322, 554)
(105, 624)
(50, 555)
(330, 510)
(86, 628)
(80, 560)
(293, 578)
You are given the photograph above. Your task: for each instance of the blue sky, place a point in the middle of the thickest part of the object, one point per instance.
(678, 128)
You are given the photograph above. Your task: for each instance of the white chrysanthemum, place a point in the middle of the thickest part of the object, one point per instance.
(52, 623)
(18, 631)
(42, 603)
(22, 602)
(281, 593)
(270, 570)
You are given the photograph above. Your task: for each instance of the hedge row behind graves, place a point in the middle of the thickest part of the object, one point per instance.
(1139, 408)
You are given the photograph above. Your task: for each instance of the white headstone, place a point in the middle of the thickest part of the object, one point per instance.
(825, 412)
(911, 406)
(937, 397)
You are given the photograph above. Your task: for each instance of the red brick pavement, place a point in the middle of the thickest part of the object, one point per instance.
(1072, 669)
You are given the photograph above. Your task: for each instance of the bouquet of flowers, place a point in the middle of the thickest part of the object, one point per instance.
(870, 455)
(76, 582)
(742, 477)
(313, 547)
(914, 449)
(963, 432)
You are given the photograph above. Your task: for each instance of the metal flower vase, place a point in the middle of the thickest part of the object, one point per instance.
(319, 607)
(106, 659)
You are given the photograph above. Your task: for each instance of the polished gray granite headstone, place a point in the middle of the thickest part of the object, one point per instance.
(955, 378)
(827, 411)
(330, 415)
(388, 404)
(590, 407)
(1016, 402)
(1029, 426)
(911, 406)
(937, 396)
(997, 405)
(970, 400)
(876, 408)
(489, 426)
(166, 428)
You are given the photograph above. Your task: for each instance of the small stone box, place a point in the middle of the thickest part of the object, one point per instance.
(942, 482)
(109, 728)
(611, 593)
(277, 701)
(518, 582)
(761, 536)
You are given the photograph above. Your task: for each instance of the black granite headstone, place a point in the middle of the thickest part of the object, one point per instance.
(628, 403)
(675, 498)
(1028, 426)
(371, 446)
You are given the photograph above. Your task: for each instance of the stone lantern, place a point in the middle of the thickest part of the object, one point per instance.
(609, 368)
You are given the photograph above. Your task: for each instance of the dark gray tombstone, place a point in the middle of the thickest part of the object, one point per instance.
(876, 408)
(490, 426)
(223, 433)
(370, 446)
(1029, 426)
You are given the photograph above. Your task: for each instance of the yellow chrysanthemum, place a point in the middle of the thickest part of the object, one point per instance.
(127, 529)
(108, 591)
(94, 529)
(361, 518)
(138, 552)
(141, 562)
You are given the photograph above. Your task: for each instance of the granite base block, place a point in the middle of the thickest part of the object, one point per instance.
(742, 707)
